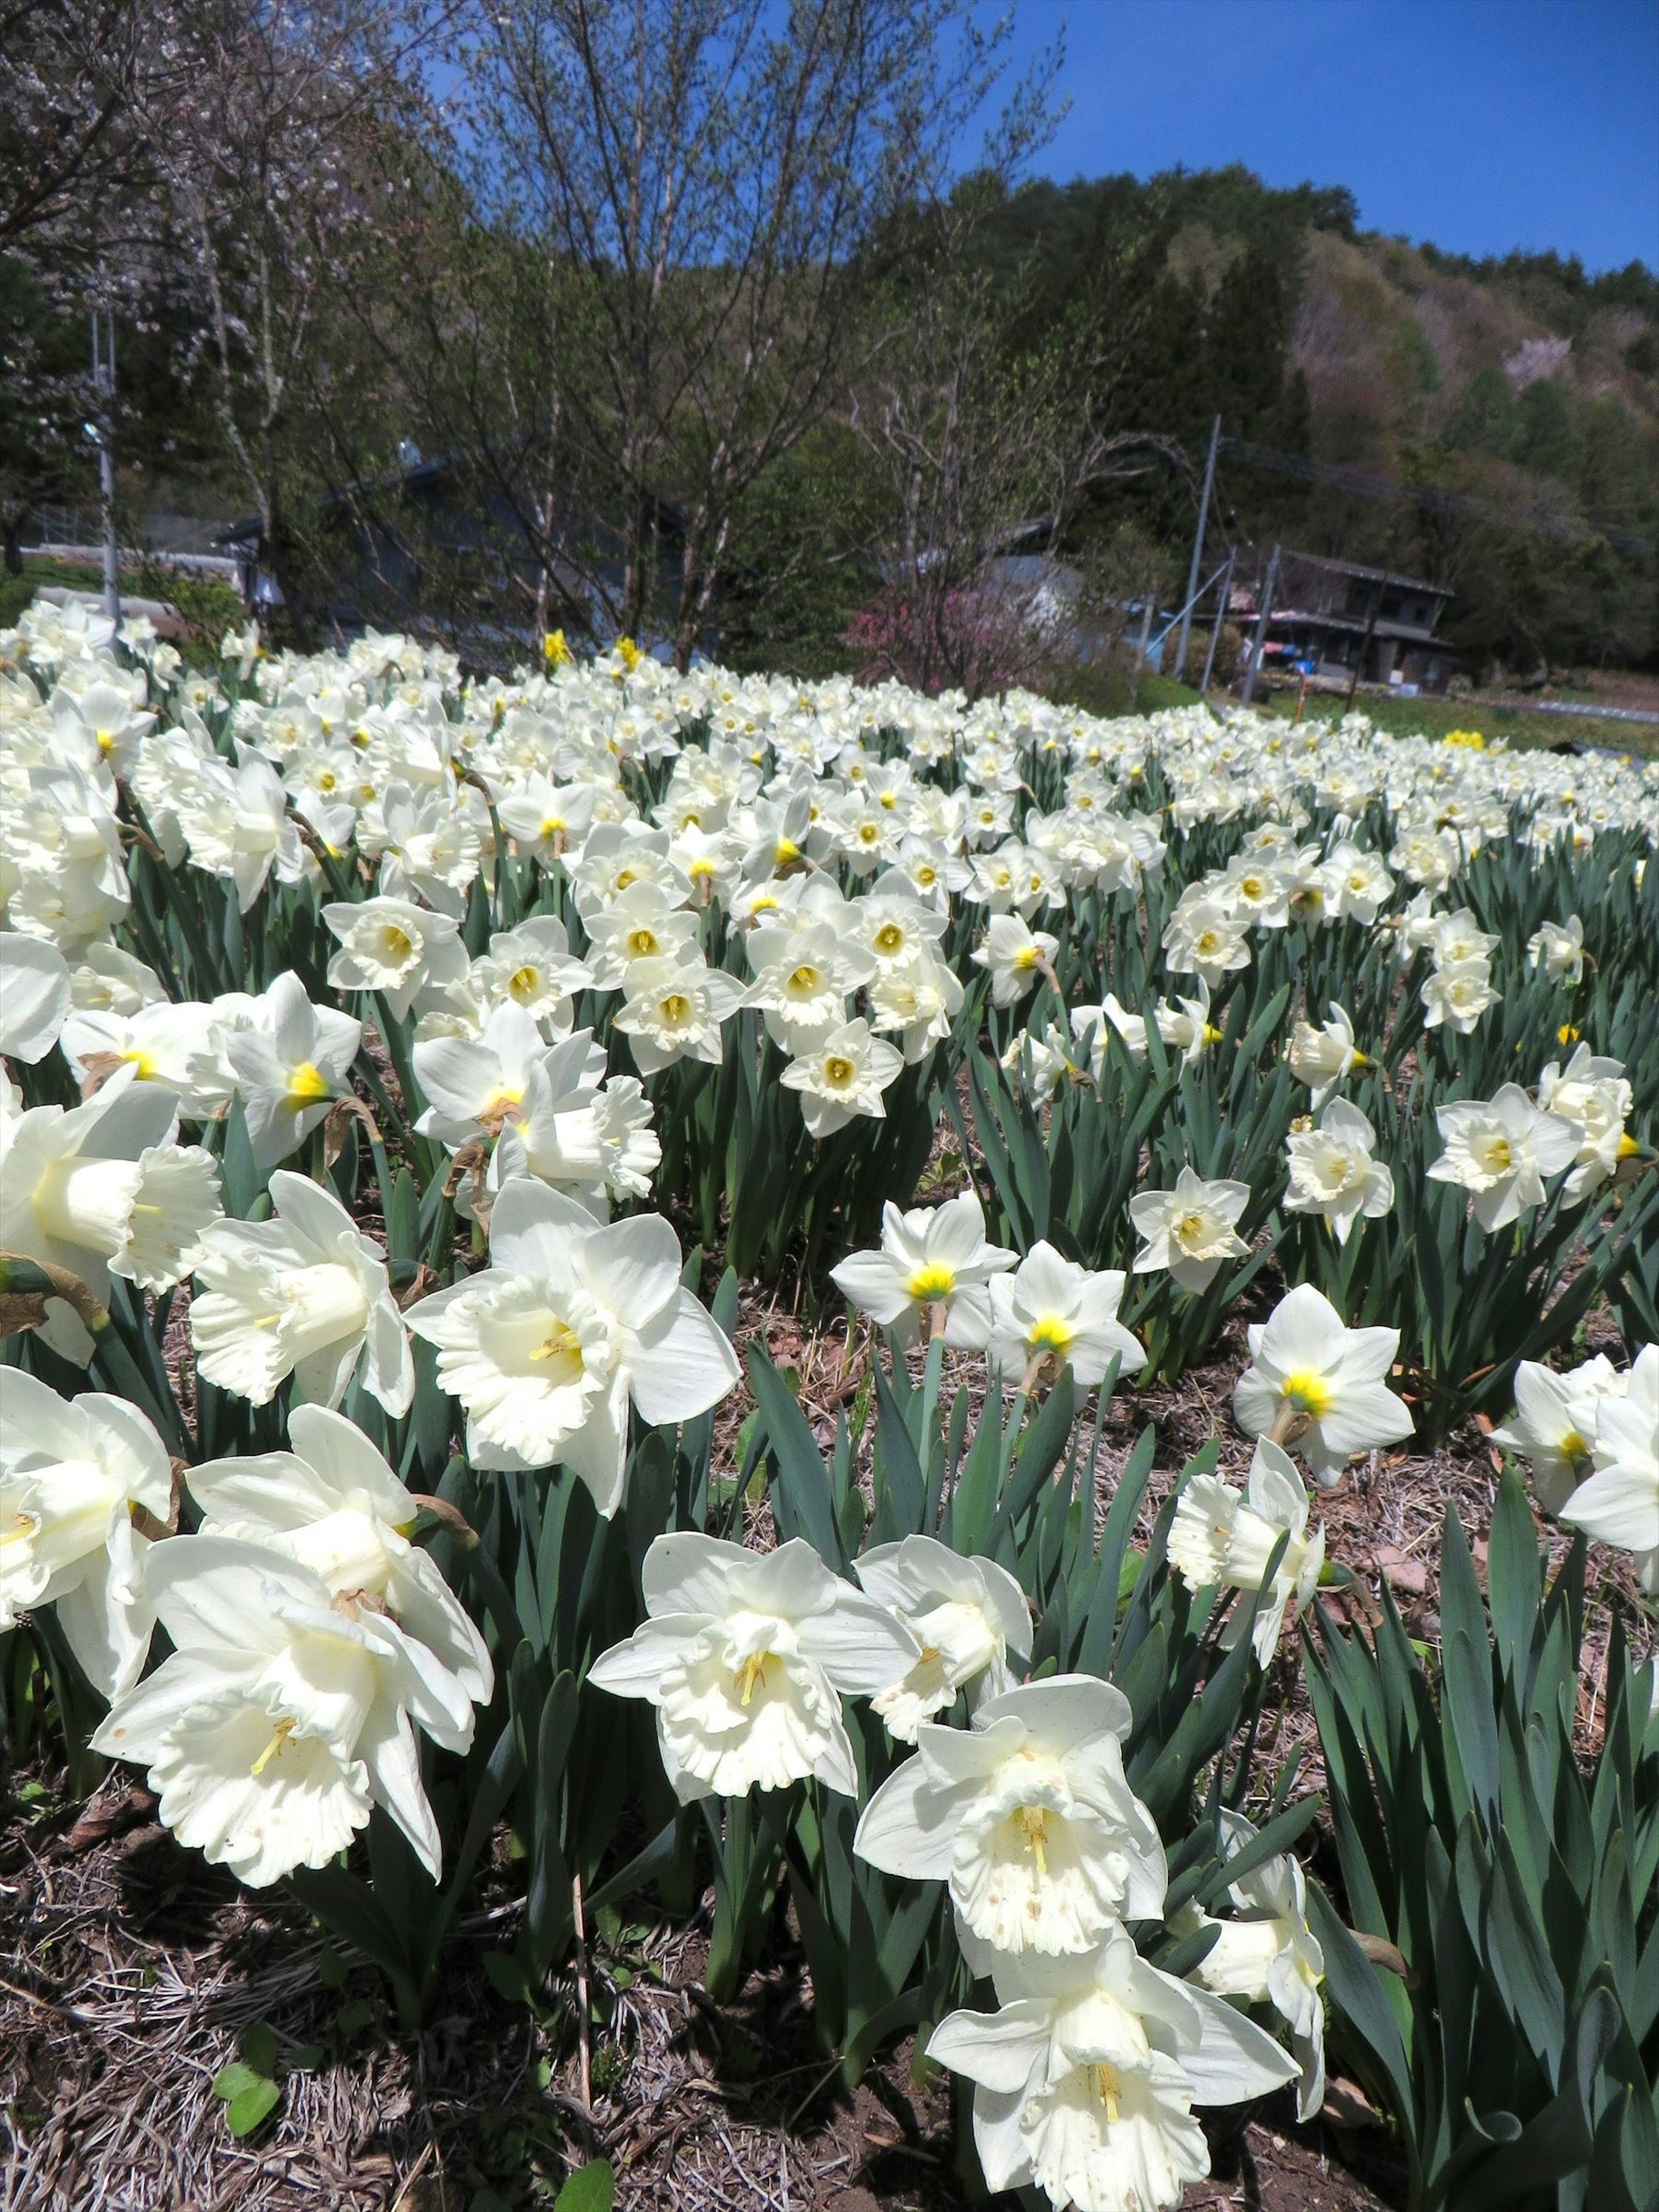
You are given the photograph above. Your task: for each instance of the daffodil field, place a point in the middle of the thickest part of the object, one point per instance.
(409, 1075)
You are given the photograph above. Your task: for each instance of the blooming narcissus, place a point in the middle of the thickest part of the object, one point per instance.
(1014, 956)
(1050, 1314)
(1332, 1172)
(393, 947)
(291, 1068)
(331, 1502)
(103, 1189)
(283, 1712)
(1223, 1536)
(674, 1011)
(1029, 1818)
(301, 1294)
(1500, 1150)
(842, 1076)
(1189, 1230)
(1321, 1056)
(1086, 2077)
(72, 1472)
(572, 1319)
(931, 1257)
(1619, 1502)
(746, 1656)
(966, 1614)
(1267, 1955)
(589, 1136)
(1558, 949)
(1318, 1388)
(1555, 1422)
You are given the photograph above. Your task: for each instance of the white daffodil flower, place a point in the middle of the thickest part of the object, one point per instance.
(1558, 949)
(1050, 1314)
(587, 1136)
(1085, 2078)
(1333, 1173)
(645, 923)
(1555, 1423)
(803, 980)
(429, 849)
(674, 1011)
(1029, 1818)
(916, 1000)
(966, 1614)
(842, 1076)
(931, 1257)
(71, 1474)
(34, 996)
(331, 1503)
(1203, 938)
(236, 823)
(1500, 1150)
(291, 1068)
(282, 1715)
(181, 1047)
(104, 1189)
(395, 948)
(105, 979)
(1592, 1092)
(1189, 1230)
(1223, 1537)
(746, 1656)
(1321, 1057)
(303, 1295)
(475, 1085)
(1456, 996)
(1016, 958)
(533, 965)
(546, 1346)
(1318, 1388)
(546, 819)
(1458, 939)
(1267, 1955)
(1619, 1503)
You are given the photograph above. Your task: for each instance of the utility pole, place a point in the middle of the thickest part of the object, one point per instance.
(1222, 603)
(103, 384)
(1262, 613)
(1180, 669)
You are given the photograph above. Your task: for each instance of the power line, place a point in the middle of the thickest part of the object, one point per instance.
(1364, 485)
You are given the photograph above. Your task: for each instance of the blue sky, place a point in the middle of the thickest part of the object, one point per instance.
(1481, 125)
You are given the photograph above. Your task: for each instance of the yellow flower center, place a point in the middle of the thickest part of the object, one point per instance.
(140, 1060)
(935, 1280)
(1025, 958)
(1049, 1335)
(307, 1082)
(675, 1007)
(396, 944)
(522, 984)
(805, 979)
(624, 877)
(642, 944)
(838, 1073)
(889, 937)
(1308, 1393)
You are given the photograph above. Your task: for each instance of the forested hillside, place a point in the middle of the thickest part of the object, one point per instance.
(1522, 390)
